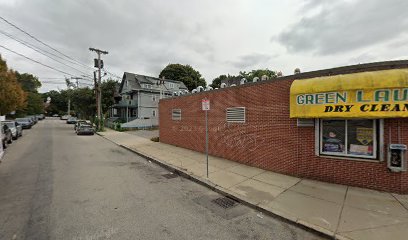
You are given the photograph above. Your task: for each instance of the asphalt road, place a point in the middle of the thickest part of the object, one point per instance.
(56, 185)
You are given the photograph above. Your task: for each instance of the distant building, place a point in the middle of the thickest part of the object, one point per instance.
(139, 97)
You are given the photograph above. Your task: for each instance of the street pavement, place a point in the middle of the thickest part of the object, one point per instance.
(340, 211)
(57, 185)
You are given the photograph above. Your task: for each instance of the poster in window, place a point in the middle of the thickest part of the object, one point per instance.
(333, 136)
(360, 137)
(364, 135)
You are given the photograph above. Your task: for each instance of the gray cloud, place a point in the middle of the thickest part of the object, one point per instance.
(343, 26)
(141, 36)
(250, 60)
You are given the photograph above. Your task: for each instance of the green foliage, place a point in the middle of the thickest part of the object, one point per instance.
(99, 124)
(82, 102)
(35, 104)
(108, 91)
(216, 83)
(59, 102)
(29, 82)
(257, 73)
(184, 73)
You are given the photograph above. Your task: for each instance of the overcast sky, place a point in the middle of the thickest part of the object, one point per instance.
(214, 37)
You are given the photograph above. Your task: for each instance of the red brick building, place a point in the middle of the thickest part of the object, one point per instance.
(256, 124)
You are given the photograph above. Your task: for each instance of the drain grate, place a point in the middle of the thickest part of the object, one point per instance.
(225, 202)
(169, 175)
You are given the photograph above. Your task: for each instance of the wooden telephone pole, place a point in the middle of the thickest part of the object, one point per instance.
(98, 85)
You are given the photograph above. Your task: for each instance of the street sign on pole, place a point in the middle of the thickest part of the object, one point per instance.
(205, 104)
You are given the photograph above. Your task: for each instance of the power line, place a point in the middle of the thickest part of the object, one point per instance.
(51, 78)
(45, 65)
(112, 74)
(43, 43)
(61, 83)
(39, 51)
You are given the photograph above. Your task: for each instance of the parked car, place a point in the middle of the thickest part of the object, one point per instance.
(85, 129)
(34, 119)
(15, 127)
(55, 115)
(71, 120)
(80, 122)
(40, 116)
(65, 117)
(6, 134)
(26, 123)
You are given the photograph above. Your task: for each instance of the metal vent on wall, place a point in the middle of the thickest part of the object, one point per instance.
(176, 114)
(305, 122)
(236, 115)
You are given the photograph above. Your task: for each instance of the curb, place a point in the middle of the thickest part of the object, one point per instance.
(213, 187)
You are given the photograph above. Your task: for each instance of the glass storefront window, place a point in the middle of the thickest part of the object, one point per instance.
(333, 137)
(354, 138)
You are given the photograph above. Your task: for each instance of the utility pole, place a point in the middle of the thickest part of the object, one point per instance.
(77, 82)
(69, 95)
(99, 92)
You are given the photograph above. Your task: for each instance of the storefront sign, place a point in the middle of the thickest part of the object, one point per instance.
(378, 94)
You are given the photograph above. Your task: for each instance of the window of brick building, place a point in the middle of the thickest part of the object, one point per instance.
(349, 138)
(176, 114)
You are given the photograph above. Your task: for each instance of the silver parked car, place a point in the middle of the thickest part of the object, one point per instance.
(25, 122)
(85, 129)
(15, 127)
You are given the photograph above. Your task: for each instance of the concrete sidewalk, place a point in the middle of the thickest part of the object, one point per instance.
(339, 211)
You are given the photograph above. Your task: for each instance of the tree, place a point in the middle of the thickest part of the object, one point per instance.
(59, 102)
(184, 73)
(257, 73)
(12, 96)
(216, 83)
(35, 102)
(108, 92)
(29, 82)
(83, 102)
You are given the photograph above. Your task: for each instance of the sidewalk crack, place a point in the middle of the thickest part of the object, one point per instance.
(406, 208)
(341, 211)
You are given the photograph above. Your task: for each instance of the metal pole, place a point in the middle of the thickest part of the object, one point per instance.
(69, 104)
(99, 91)
(206, 138)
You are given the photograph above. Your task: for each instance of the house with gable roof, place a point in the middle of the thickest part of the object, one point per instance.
(139, 99)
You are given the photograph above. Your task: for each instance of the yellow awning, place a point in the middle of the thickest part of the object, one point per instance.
(378, 94)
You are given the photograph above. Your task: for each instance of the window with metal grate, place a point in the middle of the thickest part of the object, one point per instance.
(176, 114)
(236, 115)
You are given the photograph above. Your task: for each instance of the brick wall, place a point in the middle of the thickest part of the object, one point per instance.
(270, 139)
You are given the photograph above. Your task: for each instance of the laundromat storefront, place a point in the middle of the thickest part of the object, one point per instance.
(349, 111)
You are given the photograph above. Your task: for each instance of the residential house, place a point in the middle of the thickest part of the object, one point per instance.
(140, 95)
